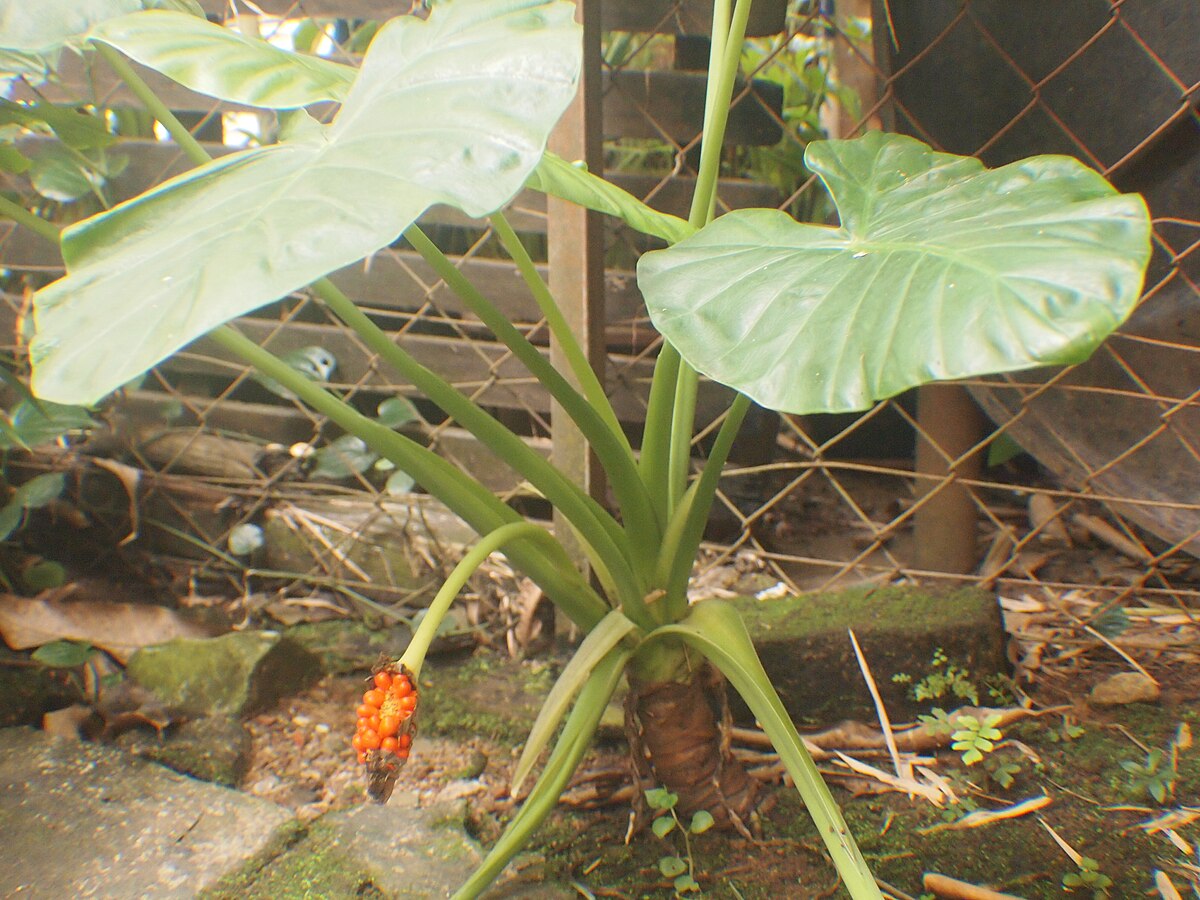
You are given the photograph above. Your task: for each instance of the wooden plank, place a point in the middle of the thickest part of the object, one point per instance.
(661, 16)
(482, 369)
(385, 282)
(632, 100)
(576, 258)
(687, 16)
(319, 9)
(287, 424)
(152, 162)
(671, 105)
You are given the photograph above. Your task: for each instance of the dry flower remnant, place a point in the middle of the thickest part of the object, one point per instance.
(386, 727)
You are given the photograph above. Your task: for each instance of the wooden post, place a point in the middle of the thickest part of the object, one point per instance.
(576, 260)
(946, 526)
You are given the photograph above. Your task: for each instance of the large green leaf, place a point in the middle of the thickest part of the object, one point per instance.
(941, 269)
(714, 628)
(573, 182)
(224, 63)
(44, 25)
(454, 110)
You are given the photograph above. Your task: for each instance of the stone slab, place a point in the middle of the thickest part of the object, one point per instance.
(85, 820)
(806, 651)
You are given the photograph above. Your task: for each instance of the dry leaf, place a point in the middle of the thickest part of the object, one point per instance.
(1166, 888)
(982, 817)
(66, 723)
(119, 628)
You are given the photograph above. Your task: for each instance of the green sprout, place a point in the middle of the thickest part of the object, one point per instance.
(1089, 878)
(1152, 776)
(681, 869)
(974, 738)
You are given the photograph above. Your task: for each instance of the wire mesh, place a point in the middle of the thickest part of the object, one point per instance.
(1081, 481)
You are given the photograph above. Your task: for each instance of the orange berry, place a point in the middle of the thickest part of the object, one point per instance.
(357, 742)
(374, 698)
(388, 745)
(405, 741)
(383, 680)
(409, 703)
(389, 725)
(370, 740)
(402, 753)
(402, 687)
(373, 723)
(365, 711)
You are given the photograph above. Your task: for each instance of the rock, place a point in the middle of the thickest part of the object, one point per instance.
(397, 851)
(345, 645)
(805, 648)
(27, 690)
(1123, 688)
(89, 820)
(236, 674)
(215, 749)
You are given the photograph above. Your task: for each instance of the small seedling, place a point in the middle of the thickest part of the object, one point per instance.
(1003, 772)
(681, 869)
(945, 679)
(1068, 732)
(1089, 878)
(1152, 776)
(973, 738)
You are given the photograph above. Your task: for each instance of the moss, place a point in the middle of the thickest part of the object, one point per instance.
(483, 697)
(301, 864)
(803, 645)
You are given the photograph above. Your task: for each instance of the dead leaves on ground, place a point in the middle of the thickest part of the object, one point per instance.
(117, 628)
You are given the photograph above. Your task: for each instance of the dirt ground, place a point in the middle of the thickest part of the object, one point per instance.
(1105, 801)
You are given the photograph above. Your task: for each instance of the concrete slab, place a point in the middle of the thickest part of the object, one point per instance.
(86, 820)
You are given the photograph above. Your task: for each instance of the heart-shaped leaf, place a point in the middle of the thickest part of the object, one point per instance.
(46, 25)
(941, 269)
(455, 109)
(224, 63)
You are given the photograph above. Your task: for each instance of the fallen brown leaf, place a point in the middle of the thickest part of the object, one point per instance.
(118, 628)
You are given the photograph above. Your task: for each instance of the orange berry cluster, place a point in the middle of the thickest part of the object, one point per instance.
(384, 716)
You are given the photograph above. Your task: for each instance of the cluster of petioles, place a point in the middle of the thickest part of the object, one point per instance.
(386, 726)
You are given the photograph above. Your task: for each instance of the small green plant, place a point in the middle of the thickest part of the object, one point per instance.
(945, 679)
(1088, 878)
(937, 721)
(1003, 772)
(1152, 777)
(681, 869)
(973, 738)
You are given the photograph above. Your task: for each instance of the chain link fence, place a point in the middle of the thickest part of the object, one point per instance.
(1077, 480)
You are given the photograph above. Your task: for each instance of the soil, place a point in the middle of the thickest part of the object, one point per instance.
(1073, 756)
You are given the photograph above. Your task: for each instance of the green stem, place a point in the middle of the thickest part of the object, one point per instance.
(727, 48)
(611, 446)
(178, 131)
(654, 463)
(683, 423)
(414, 654)
(549, 567)
(25, 218)
(682, 555)
(595, 526)
(593, 390)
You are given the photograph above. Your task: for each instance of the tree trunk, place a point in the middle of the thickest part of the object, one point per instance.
(684, 748)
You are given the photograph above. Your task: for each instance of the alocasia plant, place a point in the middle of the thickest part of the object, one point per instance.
(939, 269)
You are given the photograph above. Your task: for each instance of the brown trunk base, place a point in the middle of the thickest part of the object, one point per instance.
(678, 742)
